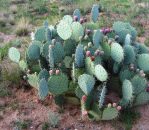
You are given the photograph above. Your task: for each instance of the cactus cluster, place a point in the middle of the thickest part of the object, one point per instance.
(72, 57)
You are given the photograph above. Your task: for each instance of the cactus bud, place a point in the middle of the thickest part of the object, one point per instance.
(85, 48)
(97, 52)
(119, 108)
(51, 72)
(89, 44)
(88, 53)
(109, 105)
(28, 71)
(80, 38)
(142, 75)
(84, 113)
(84, 98)
(114, 104)
(57, 72)
(75, 18)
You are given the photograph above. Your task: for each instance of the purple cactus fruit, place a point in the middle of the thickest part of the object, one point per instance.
(88, 53)
(51, 72)
(75, 18)
(114, 104)
(57, 72)
(97, 52)
(88, 31)
(107, 30)
(81, 20)
(147, 89)
(119, 108)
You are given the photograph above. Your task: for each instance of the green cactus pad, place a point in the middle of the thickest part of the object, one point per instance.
(45, 51)
(127, 90)
(58, 84)
(79, 93)
(58, 53)
(117, 52)
(110, 113)
(43, 89)
(107, 50)
(102, 97)
(68, 61)
(143, 48)
(40, 34)
(128, 40)
(143, 62)
(130, 55)
(95, 13)
(69, 47)
(77, 31)
(44, 74)
(77, 13)
(86, 83)
(23, 65)
(141, 99)
(139, 83)
(95, 113)
(97, 38)
(126, 74)
(100, 73)
(116, 67)
(89, 66)
(33, 52)
(33, 80)
(68, 19)
(64, 30)
(14, 54)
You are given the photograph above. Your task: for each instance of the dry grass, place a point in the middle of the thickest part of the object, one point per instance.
(22, 28)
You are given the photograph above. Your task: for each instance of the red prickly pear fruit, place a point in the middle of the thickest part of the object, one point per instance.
(88, 53)
(92, 58)
(81, 20)
(119, 108)
(51, 72)
(75, 18)
(84, 98)
(57, 72)
(114, 104)
(84, 113)
(147, 89)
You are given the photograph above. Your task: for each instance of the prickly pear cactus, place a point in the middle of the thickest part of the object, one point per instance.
(78, 57)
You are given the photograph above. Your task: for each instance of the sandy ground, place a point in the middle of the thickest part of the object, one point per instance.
(23, 105)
